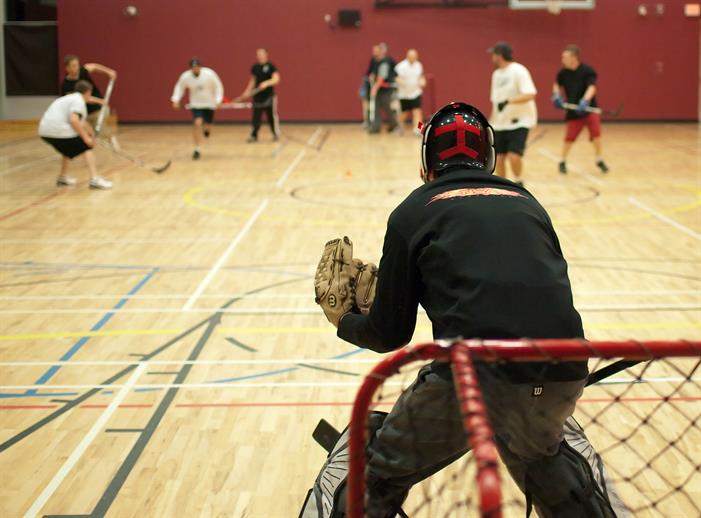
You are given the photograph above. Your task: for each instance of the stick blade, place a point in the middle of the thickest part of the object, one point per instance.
(161, 169)
(326, 435)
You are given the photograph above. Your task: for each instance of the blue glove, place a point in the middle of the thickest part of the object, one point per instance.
(582, 106)
(557, 100)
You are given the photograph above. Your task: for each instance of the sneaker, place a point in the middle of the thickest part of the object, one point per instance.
(195, 155)
(562, 168)
(602, 165)
(252, 139)
(275, 138)
(65, 180)
(100, 183)
(206, 133)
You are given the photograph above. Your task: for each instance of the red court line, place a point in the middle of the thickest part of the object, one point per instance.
(301, 404)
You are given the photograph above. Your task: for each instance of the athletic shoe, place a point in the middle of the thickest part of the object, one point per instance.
(601, 165)
(206, 133)
(195, 155)
(252, 139)
(275, 138)
(562, 167)
(100, 183)
(65, 180)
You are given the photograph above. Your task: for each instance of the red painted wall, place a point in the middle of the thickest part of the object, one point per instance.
(650, 63)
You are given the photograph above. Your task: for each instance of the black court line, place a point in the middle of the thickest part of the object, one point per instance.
(124, 430)
(164, 373)
(243, 346)
(137, 355)
(130, 273)
(124, 470)
(326, 369)
(60, 400)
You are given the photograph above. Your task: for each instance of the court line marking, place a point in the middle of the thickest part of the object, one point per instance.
(220, 262)
(593, 179)
(108, 314)
(27, 164)
(310, 310)
(665, 219)
(273, 384)
(314, 330)
(281, 181)
(89, 437)
(283, 296)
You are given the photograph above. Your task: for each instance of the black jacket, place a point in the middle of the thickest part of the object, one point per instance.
(480, 254)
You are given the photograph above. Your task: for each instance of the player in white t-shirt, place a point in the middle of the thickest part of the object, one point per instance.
(64, 127)
(410, 84)
(513, 109)
(206, 94)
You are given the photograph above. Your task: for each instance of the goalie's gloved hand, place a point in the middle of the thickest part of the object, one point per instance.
(502, 105)
(557, 100)
(582, 106)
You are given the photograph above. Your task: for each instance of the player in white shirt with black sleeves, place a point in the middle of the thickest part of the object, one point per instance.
(410, 84)
(514, 111)
(64, 127)
(206, 94)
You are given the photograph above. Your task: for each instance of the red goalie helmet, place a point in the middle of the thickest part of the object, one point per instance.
(458, 135)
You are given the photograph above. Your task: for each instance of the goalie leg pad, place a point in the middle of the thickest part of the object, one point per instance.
(327, 499)
(565, 485)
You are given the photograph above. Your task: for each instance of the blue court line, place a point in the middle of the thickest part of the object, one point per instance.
(281, 371)
(85, 339)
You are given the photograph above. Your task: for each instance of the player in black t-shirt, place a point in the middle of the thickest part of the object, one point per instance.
(368, 80)
(578, 80)
(261, 86)
(383, 92)
(76, 72)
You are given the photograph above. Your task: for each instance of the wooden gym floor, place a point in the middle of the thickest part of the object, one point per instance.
(161, 353)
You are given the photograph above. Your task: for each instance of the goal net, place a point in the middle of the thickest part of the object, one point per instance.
(640, 412)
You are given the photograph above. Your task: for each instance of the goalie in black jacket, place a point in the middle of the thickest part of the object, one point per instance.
(480, 254)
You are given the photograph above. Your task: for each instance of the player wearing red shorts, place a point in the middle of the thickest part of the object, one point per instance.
(578, 80)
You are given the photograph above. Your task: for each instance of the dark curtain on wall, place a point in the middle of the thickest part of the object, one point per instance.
(31, 59)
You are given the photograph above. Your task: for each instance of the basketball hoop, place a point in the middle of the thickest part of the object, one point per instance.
(553, 6)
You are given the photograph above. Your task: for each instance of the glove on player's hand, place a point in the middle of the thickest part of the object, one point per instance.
(582, 106)
(343, 284)
(557, 101)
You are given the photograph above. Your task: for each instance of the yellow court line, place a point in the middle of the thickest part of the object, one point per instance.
(309, 330)
(189, 199)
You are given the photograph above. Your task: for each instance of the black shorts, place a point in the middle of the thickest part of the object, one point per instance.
(410, 104)
(68, 147)
(511, 141)
(205, 114)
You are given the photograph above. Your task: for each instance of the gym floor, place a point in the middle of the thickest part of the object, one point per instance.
(175, 312)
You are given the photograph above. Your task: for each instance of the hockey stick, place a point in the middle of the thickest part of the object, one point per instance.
(156, 169)
(590, 109)
(228, 106)
(104, 109)
(610, 370)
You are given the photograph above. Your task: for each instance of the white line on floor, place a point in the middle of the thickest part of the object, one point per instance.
(220, 262)
(26, 164)
(275, 384)
(61, 474)
(170, 296)
(290, 168)
(304, 311)
(666, 219)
